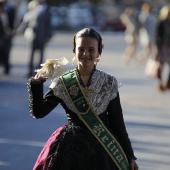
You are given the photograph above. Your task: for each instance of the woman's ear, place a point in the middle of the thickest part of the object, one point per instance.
(97, 59)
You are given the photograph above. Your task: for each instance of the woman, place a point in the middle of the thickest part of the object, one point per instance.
(90, 98)
(163, 46)
(147, 22)
(130, 19)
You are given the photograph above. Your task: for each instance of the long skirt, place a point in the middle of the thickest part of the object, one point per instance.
(73, 148)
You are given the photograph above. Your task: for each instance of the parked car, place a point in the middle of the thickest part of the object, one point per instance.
(115, 25)
(79, 16)
(58, 17)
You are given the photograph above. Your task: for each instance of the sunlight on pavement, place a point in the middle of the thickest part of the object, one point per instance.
(21, 142)
(4, 163)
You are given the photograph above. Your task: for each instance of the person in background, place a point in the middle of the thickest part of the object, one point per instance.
(3, 18)
(37, 29)
(8, 18)
(147, 31)
(95, 137)
(130, 19)
(163, 46)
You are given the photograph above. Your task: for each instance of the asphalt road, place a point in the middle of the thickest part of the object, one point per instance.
(146, 111)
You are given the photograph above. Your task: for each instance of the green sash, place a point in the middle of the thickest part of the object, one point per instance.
(92, 120)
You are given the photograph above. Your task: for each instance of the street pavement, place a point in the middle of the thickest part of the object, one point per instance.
(146, 111)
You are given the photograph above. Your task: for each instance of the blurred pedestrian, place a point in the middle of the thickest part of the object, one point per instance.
(95, 137)
(37, 29)
(8, 12)
(147, 31)
(163, 46)
(3, 19)
(130, 19)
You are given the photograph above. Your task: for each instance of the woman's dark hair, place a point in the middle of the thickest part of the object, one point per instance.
(88, 32)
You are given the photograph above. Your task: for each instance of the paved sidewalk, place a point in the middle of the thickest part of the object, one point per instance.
(146, 111)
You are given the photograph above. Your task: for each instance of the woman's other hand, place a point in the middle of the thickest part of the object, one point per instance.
(133, 165)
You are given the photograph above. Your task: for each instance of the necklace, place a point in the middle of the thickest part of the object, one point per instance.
(84, 75)
(87, 90)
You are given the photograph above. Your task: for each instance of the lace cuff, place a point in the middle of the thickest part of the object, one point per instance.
(35, 91)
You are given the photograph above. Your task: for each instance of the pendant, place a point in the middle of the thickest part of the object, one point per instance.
(87, 90)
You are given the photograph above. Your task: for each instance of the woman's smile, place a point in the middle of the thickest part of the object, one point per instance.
(86, 51)
(85, 58)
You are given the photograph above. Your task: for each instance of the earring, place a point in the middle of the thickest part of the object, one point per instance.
(73, 60)
(97, 60)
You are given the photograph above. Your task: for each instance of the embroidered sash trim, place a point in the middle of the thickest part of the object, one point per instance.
(92, 121)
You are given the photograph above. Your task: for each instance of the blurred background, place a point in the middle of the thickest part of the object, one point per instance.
(103, 14)
(145, 105)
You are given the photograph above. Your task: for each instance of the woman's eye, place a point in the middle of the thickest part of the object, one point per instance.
(92, 50)
(81, 50)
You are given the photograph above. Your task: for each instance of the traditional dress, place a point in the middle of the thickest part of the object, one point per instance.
(73, 146)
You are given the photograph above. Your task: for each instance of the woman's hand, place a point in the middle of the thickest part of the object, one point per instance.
(133, 165)
(38, 77)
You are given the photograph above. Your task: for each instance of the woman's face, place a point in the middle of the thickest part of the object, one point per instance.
(86, 51)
